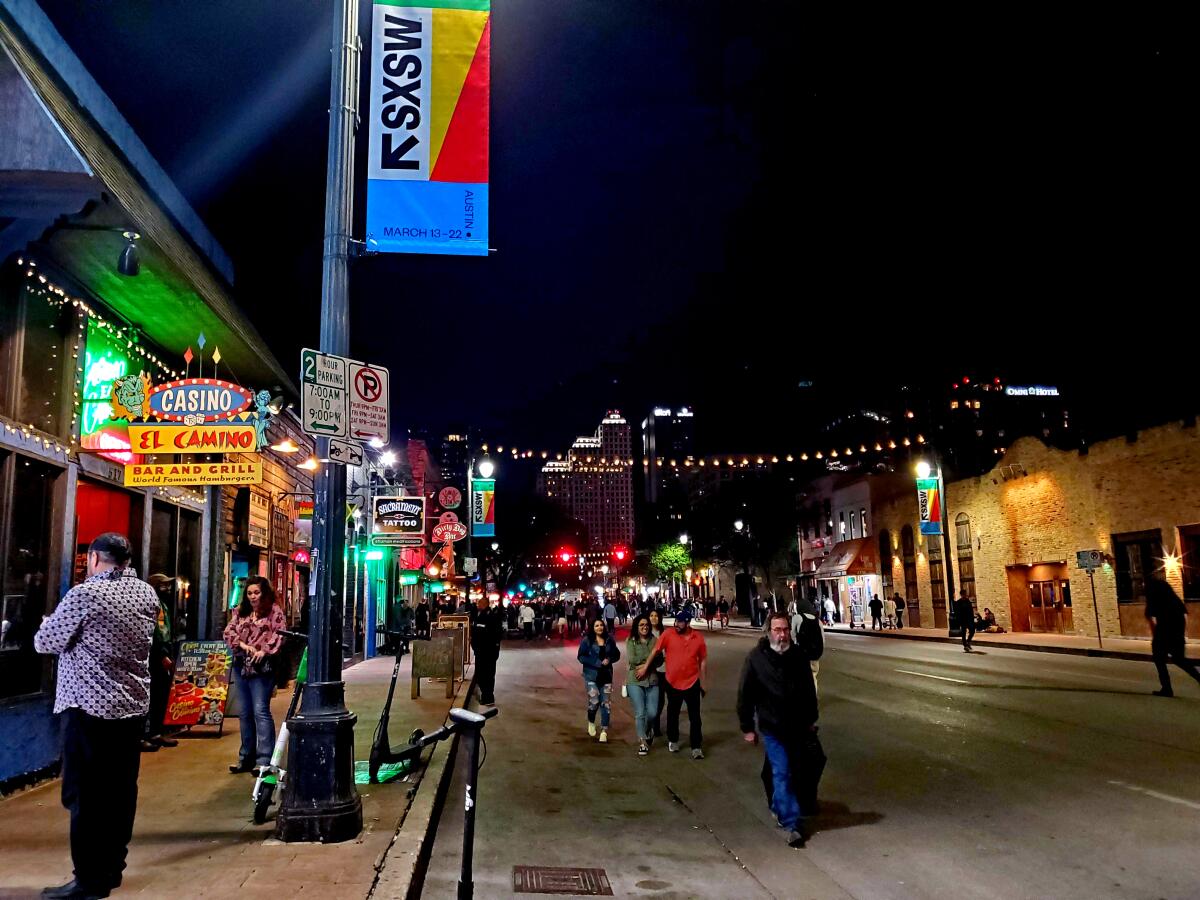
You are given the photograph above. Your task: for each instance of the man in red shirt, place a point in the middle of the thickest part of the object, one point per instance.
(686, 674)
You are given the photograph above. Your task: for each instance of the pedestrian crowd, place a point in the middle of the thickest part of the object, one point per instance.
(112, 634)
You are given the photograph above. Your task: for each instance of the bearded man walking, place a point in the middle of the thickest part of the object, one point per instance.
(777, 700)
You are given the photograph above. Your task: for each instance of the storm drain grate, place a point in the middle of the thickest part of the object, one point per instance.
(560, 880)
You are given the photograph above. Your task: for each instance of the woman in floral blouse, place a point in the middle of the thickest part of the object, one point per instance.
(254, 635)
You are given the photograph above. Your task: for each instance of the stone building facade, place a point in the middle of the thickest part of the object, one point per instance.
(1015, 532)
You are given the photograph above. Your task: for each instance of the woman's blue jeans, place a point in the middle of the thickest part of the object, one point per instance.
(645, 707)
(599, 697)
(258, 727)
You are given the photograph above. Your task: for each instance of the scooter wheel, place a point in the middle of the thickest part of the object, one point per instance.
(416, 735)
(265, 793)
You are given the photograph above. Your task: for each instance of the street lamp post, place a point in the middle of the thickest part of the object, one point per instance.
(320, 802)
(924, 470)
(743, 529)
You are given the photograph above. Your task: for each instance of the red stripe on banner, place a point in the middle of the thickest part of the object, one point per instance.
(464, 156)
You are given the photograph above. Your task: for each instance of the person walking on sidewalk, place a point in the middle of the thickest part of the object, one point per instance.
(776, 696)
(889, 612)
(876, 607)
(102, 631)
(610, 616)
(723, 611)
(807, 634)
(598, 652)
(687, 676)
(964, 613)
(827, 607)
(1167, 615)
(486, 633)
(643, 692)
(526, 617)
(899, 601)
(254, 636)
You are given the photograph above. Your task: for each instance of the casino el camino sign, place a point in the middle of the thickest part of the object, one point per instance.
(192, 416)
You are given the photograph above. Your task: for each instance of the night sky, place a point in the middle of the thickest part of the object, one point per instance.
(710, 203)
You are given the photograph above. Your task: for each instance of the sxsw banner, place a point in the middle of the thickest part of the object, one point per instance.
(929, 505)
(483, 507)
(427, 166)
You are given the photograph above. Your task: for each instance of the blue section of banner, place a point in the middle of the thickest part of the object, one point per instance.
(427, 217)
(931, 528)
(483, 529)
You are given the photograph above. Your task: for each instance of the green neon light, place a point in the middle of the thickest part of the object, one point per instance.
(374, 555)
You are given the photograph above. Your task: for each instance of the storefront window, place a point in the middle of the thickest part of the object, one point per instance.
(966, 555)
(910, 562)
(30, 485)
(44, 360)
(105, 360)
(1138, 556)
(937, 574)
(1189, 545)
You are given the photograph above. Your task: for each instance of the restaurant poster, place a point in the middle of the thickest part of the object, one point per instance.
(201, 687)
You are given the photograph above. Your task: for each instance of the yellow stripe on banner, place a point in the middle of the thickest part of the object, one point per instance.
(456, 34)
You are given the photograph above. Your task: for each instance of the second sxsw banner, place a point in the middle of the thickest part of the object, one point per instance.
(427, 169)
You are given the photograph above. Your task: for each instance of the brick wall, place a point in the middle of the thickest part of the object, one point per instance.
(1041, 505)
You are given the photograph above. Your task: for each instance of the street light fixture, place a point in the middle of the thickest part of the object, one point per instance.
(923, 469)
(388, 458)
(486, 468)
(683, 538)
(739, 525)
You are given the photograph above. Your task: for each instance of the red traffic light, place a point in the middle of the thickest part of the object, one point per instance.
(619, 553)
(565, 556)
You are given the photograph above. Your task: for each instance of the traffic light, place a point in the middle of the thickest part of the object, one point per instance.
(619, 554)
(565, 556)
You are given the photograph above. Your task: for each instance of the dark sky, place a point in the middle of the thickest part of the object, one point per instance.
(707, 203)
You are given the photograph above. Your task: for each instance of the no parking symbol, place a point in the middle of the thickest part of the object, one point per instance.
(369, 416)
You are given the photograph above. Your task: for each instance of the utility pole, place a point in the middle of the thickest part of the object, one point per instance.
(320, 801)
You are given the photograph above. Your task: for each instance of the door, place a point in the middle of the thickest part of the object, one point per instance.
(1050, 607)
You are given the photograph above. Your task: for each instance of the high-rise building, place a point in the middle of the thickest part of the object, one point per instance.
(667, 443)
(594, 483)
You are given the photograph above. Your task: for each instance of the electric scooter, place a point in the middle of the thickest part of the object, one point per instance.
(381, 745)
(272, 776)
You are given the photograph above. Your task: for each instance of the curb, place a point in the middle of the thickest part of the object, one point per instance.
(1005, 645)
(400, 869)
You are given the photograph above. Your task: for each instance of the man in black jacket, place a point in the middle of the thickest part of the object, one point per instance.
(486, 633)
(1168, 624)
(776, 694)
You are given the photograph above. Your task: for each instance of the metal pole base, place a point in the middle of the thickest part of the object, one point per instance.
(320, 802)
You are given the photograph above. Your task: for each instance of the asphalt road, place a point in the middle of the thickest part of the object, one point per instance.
(997, 774)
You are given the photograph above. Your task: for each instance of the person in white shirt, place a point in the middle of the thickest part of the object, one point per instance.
(889, 613)
(526, 617)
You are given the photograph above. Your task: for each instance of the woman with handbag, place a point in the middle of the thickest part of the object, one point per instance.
(598, 653)
(254, 634)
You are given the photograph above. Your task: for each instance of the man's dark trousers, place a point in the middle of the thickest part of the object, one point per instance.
(101, 758)
(485, 675)
(675, 700)
(1170, 645)
(968, 634)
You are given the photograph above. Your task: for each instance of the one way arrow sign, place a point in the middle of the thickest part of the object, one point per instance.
(345, 453)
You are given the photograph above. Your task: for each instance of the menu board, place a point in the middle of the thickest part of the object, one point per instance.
(201, 685)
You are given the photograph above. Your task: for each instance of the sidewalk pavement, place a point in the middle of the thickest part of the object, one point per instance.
(194, 837)
(1114, 648)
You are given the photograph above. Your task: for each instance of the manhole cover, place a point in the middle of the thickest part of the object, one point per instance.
(559, 880)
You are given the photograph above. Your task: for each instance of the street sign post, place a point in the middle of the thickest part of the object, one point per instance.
(1090, 561)
(369, 408)
(325, 409)
(345, 453)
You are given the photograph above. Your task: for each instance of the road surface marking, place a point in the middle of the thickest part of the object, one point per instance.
(938, 677)
(1157, 795)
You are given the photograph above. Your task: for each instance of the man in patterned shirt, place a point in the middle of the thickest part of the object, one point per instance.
(101, 632)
